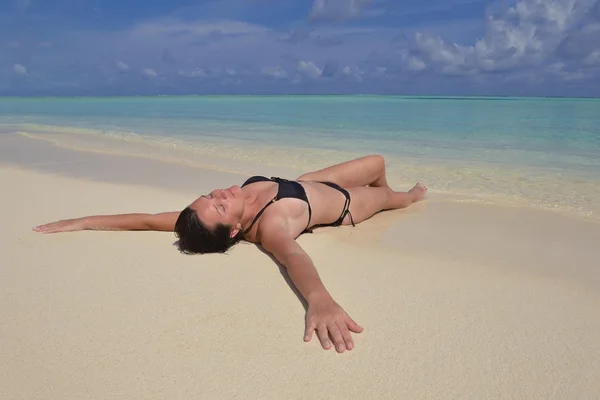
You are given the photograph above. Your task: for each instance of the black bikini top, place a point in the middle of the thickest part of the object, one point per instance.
(286, 189)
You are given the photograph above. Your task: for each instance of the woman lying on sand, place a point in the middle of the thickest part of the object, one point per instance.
(273, 213)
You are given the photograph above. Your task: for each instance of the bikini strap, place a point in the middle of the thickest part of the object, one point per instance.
(346, 209)
(273, 200)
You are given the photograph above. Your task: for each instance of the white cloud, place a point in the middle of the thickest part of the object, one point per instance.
(122, 66)
(582, 43)
(180, 28)
(309, 69)
(196, 73)
(553, 40)
(558, 69)
(353, 71)
(593, 59)
(149, 72)
(217, 46)
(437, 51)
(415, 64)
(20, 70)
(380, 72)
(523, 35)
(240, 49)
(274, 72)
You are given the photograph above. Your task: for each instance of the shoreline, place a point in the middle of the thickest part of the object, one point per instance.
(170, 176)
(540, 190)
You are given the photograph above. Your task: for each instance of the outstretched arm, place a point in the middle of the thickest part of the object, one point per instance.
(323, 315)
(119, 222)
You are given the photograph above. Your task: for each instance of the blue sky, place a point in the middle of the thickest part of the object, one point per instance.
(110, 47)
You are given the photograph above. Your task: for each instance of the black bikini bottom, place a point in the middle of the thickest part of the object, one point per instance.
(345, 210)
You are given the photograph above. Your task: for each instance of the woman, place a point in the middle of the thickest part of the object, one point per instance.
(273, 213)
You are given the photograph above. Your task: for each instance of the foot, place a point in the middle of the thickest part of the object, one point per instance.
(418, 191)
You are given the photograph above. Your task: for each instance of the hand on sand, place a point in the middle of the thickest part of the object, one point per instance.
(66, 225)
(331, 322)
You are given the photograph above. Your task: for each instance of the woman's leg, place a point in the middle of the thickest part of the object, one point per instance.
(367, 201)
(364, 171)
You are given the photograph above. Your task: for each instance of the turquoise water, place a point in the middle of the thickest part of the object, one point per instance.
(490, 147)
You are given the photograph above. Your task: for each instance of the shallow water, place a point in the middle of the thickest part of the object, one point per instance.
(535, 152)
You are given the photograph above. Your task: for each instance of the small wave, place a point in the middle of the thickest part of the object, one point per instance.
(555, 189)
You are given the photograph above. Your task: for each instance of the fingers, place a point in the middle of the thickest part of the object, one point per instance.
(332, 330)
(338, 332)
(324, 336)
(58, 226)
(338, 340)
(49, 228)
(353, 326)
(308, 332)
(42, 228)
(349, 343)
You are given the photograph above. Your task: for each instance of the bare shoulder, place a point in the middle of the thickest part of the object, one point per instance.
(277, 237)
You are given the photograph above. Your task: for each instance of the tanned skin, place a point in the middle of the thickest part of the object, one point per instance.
(279, 226)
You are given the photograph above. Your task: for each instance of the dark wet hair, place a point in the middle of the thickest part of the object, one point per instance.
(197, 238)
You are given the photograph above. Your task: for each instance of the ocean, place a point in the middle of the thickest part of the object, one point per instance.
(535, 152)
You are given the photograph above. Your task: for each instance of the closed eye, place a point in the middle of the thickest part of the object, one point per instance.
(220, 209)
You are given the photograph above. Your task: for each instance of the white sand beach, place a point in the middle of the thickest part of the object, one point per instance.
(459, 300)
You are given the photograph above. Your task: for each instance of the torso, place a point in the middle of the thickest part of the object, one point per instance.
(326, 206)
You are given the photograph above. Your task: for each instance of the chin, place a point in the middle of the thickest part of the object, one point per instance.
(237, 190)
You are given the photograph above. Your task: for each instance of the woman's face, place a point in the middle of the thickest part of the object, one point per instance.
(221, 206)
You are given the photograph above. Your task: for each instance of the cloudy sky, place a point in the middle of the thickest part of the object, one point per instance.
(87, 47)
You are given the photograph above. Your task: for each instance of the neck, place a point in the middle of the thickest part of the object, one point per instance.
(252, 206)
